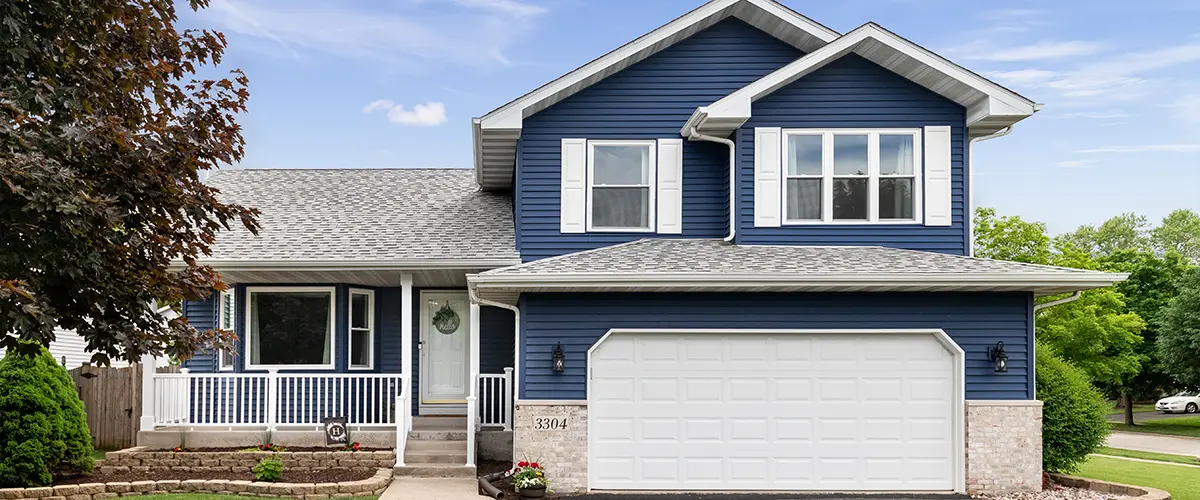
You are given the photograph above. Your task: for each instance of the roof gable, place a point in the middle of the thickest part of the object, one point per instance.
(990, 107)
(495, 134)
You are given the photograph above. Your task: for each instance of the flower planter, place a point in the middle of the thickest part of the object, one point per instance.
(533, 492)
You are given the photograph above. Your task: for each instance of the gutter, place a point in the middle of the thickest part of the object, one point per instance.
(694, 135)
(962, 280)
(1074, 296)
(475, 298)
(971, 183)
(353, 265)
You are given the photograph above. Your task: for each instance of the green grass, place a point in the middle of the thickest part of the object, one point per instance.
(203, 496)
(1142, 408)
(1147, 455)
(1179, 481)
(99, 454)
(1183, 426)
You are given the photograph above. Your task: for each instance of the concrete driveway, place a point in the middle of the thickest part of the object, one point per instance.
(1155, 443)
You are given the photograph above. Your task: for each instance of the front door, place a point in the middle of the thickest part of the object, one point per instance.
(445, 342)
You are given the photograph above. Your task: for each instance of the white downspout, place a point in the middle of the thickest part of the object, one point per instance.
(693, 135)
(516, 336)
(970, 215)
(1075, 296)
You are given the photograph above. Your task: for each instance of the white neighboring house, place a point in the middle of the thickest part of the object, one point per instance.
(70, 348)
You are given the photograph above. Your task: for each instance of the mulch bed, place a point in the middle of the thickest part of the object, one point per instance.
(290, 475)
(288, 448)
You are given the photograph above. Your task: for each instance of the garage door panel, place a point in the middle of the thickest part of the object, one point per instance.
(772, 411)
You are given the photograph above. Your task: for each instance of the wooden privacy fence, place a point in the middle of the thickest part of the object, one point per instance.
(113, 400)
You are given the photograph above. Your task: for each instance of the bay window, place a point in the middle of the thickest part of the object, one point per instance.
(362, 329)
(851, 176)
(289, 327)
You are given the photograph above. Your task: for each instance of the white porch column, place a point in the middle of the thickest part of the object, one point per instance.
(149, 367)
(472, 391)
(406, 336)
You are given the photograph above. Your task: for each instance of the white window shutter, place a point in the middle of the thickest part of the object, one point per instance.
(670, 186)
(937, 176)
(573, 209)
(768, 161)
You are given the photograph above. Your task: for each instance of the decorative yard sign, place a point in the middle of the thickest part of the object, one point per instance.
(335, 431)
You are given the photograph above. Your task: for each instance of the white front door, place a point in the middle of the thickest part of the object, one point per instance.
(445, 341)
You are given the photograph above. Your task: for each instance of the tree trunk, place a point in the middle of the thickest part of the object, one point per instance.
(1127, 400)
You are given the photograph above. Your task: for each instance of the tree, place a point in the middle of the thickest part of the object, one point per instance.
(1097, 334)
(1010, 238)
(1179, 334)
(1179, 232)
(104, 130)
(1124, 232)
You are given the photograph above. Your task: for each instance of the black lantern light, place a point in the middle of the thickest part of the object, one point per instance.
(560, 362)
(999, 357)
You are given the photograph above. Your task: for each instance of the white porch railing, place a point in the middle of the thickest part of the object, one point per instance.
(495, 399)
(273, 399)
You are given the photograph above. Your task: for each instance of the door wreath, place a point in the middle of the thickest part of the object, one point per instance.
(446, 320)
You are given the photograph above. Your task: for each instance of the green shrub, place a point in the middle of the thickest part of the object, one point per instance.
(43, 427)
(1073, 422)
(268, 469)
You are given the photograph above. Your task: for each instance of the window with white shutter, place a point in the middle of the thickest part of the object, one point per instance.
(937, 176)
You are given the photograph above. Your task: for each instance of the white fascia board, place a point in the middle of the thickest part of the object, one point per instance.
(1088, 280)
(1000, 101)
(511, 115)
(353, 265)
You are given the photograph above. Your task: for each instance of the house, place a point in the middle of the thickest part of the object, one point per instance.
(732, 254)
(71, 350)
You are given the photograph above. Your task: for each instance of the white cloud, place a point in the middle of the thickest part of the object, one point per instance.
(1122, 77)
(1147, 148)
(1090, 115)
(429, 114)
(1041, 51)
(405, 36)
(1075, 163)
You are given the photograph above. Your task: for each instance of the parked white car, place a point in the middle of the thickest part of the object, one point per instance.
(1184, 402)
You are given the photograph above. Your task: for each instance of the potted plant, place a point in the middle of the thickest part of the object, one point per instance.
(529, 479)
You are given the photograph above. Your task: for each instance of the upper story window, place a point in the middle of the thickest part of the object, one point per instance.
(851, 176)
(362, 329)
(289, 327)
(621, 185)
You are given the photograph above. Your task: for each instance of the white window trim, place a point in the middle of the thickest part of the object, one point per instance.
(250, 291)
(370, 329)
(652, 187)
(873, 175)
(222, 321)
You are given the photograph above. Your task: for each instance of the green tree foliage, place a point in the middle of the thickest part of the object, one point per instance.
(1179, 232)
(1073, 415)
(43, 428)
(1097, 334)
(104, 130)
(1123, 232)
(1010, 238)
(1179, 333)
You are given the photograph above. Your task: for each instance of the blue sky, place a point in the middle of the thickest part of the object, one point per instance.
(394, 83)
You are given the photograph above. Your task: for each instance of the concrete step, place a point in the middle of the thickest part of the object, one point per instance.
(427, 423)
(438, 435)
(435, 470)
(436, 457)
(453, 446)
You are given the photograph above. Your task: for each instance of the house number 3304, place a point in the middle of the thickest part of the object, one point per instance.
(549, 423)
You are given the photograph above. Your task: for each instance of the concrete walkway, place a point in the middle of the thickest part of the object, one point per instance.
(1155, 443)
(422, 488)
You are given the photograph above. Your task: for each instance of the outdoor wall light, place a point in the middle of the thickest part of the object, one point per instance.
(999, 357)
(560, 362)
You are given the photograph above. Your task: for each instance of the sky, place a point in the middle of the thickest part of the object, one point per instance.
(395, 83)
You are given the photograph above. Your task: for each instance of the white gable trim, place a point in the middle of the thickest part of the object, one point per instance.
(495, 133)
(985, 100)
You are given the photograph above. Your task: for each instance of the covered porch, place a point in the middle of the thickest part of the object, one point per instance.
(382, 347)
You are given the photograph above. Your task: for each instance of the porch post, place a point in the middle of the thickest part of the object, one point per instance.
(472, 408)
(149, 368)
(406, 336)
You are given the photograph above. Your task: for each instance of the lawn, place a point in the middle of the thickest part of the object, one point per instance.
(1183, 426)
(1142, 408)
(203, 496)
(1178, 480)
(1147, 455)
(98, 454)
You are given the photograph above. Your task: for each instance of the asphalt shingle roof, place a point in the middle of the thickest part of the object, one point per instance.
(716, 257)
(365, 214)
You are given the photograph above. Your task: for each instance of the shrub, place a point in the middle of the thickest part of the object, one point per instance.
(43, 427)
(268, 469)
(1073, 423)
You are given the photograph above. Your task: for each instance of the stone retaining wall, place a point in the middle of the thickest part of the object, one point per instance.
(141, 460)
(1138, 492)
(373, 486)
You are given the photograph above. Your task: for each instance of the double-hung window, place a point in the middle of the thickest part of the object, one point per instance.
(289, 327)
(362, 329)
(621, 187)
(851, 176)
(226, 303)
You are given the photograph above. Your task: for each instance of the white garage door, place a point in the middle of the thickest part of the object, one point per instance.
(775, 411)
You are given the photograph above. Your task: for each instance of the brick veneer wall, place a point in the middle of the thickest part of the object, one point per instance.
(141, 460)
(1004, 447)
(373, 486)
(564, 451)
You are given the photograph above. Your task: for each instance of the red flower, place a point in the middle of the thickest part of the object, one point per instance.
(522, 464)
(534, 465)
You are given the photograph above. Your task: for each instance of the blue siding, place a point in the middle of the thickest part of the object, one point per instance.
(202, 315)
(649, 100)
(855, 93)
(975, 321)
